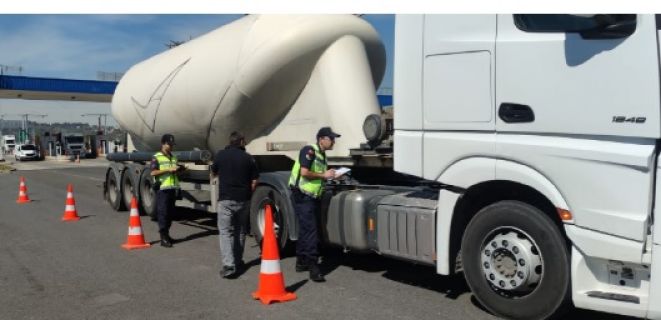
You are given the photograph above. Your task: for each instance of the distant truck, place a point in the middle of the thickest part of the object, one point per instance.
(74, 145)
(523, 150)
(7, 144)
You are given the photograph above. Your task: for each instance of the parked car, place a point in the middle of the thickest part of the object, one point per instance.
(26, 152)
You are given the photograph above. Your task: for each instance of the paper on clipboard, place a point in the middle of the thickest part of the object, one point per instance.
(341, 171)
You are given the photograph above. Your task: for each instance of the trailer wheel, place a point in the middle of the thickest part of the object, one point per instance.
(113, 189)
(257, 215)
(128, 190)
(516, 262)
(147, 194)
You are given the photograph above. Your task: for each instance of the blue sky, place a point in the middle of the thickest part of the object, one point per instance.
(77, 46)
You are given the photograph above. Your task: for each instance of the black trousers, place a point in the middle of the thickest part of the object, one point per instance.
(306, 208)
(165, 209)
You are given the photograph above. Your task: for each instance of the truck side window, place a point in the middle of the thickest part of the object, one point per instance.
(590, 26)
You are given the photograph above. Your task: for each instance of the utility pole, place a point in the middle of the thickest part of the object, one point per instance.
(25, 118)
(105, 118)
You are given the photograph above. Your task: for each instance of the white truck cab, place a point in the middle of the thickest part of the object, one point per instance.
(8, 144)
(547, 128)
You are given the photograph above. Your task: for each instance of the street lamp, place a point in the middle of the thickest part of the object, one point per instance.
(105, 118)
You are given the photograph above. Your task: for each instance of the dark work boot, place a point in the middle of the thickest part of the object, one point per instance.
(301, 264)
(166, 241)
(315, 272)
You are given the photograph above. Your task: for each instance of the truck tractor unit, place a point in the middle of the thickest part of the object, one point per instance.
(74, 145)
(8, 144)
(521, 150)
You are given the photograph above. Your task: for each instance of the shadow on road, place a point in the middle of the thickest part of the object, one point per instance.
(247, 266)
(404, 272)
(196, 219)
(296, 286)
(422, 276)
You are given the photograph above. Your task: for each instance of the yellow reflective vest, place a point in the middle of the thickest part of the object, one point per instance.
(167, 180)
(311, 187)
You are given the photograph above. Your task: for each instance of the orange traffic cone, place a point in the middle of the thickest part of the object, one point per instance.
(135, 240)
(22, 192)
(70, 213)
(271, 282)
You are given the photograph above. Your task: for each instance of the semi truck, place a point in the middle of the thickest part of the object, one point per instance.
(74, 145)
(8, 144)
(522, 150)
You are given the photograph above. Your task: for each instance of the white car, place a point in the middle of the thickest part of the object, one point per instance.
(25, 152)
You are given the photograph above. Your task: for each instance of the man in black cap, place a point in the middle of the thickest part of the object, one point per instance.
(164, 169)
(306, 182)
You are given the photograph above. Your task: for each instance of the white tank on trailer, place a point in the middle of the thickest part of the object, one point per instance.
(275, 78)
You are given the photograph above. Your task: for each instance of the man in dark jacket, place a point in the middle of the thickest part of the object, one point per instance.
(237, 179)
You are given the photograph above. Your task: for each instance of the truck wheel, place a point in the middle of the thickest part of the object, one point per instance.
(516, 262)
(147, 194)
(257, 215)
(128, 191)
(114, 194)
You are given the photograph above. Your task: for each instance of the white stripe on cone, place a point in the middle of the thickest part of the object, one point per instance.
(135, 231)
(270, 266)
(21, 193)
(69, 208)
(134, 213)
(69, 195)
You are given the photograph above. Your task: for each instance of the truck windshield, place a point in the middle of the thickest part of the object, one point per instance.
(28, 147)
(74, 139)
(10, 141)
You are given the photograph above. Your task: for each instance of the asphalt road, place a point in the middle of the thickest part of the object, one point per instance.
(77, 270)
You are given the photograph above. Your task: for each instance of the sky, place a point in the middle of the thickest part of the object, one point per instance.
(77, 46)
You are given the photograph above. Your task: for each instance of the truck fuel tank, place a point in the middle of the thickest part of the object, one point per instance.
(346, 222)
(392, 221)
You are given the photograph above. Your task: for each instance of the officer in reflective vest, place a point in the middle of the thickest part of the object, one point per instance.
(306, 182)
(164, 169)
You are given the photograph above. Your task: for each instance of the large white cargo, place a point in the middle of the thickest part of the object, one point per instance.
(275, 78)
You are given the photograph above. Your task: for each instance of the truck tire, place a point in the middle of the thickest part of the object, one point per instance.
(113, 191)
(516, 262)
(128, 190)
(257, 218)
(147, 194)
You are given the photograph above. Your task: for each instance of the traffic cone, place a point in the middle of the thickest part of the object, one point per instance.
(22, 192)
(70, 213)
(135, 239)
(271, 282)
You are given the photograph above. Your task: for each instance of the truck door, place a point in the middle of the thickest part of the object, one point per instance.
(458, 90)
(577, 99)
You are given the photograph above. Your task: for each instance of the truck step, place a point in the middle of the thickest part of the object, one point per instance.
(614, 296)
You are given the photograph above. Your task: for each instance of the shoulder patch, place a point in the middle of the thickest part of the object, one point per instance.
(309, 155)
